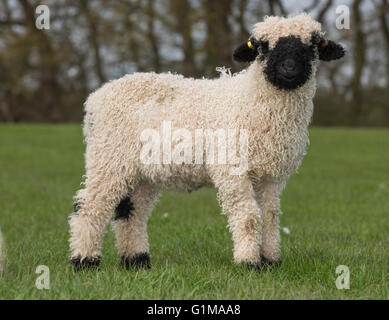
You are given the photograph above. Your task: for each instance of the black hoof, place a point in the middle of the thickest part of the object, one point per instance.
(267, 263)
(85, 263)
(251, 266)
(139, 261)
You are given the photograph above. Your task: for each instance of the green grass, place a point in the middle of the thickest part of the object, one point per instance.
(336, 207)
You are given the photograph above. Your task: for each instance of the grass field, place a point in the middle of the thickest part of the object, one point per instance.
(336, 207)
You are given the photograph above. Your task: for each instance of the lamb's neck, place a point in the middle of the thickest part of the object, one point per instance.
(269, 102)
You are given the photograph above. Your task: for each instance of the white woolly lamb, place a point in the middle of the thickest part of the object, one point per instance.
(271, 100)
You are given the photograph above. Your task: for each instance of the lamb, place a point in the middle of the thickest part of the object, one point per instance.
(271, 101)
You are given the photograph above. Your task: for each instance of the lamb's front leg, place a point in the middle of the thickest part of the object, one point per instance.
(244, 218)
(267, 193)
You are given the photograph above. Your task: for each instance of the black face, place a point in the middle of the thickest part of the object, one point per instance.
(289, 63)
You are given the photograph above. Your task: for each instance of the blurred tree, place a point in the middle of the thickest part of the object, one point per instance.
(384, 13)
(384, 17)
(241, 18)
(45, 75)
(218, 43)
(323, 11)
(273, 5)
(152, 38)
(182, 12)
(359, 54)
(93, 29)
(35, 51)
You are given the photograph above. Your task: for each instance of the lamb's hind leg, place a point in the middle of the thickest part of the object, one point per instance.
(130, 226)
(267, 192)
(94, 207)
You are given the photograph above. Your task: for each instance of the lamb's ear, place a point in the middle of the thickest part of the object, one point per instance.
(246, 52)
(329, 50)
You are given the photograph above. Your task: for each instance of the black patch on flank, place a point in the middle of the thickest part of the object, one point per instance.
(139, 261)
(289, 63)
(124, 208)
(85, 263)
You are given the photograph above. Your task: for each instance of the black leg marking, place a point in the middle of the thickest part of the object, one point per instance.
(124, 208)
(139, 261)
(85, 263)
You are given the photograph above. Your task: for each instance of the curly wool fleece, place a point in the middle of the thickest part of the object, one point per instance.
(116, 114)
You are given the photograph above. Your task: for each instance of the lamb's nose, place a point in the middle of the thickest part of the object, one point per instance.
(289, 65)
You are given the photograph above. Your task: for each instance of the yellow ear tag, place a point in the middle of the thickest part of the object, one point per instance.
(250, 45)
